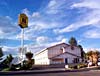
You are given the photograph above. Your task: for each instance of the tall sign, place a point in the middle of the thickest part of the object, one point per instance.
(23, 23)
(23, 20)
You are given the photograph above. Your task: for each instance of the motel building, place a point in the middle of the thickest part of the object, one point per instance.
(58, 54)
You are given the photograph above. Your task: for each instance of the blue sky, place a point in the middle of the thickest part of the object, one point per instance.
(50, 22)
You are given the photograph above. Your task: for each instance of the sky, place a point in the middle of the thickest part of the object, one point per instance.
(50, 22)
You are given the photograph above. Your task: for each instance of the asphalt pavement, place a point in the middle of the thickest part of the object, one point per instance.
(46, 71)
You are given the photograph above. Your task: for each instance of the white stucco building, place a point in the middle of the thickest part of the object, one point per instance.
(58, 54)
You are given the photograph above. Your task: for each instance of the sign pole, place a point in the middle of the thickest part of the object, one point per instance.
(23, 23)
(22, 42)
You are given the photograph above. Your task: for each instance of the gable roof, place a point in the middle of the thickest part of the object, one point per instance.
(57, 45)
(51, 47)
(64, 53)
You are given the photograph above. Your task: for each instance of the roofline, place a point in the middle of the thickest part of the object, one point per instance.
(57, 45)
(64, 53)
(40, 51)
(49, 48)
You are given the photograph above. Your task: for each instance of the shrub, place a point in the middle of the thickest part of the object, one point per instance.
(15, 67)
(6, 69)
(82, 65)
(73, 66)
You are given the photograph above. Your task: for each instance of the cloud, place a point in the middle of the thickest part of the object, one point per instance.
(91, 20)
(27, 12)
(52, 7)
(91, 17)
(61, 38)
(56, 17)
(10, 50)
(89, 49)
(56, 6)
(42, 39)
(39, 22)
(93, 33)
(44, 19)
(7, 27)
(52, 16)
(52, 3)
(36, 48)
(45, 42)
(36, 14)
(91, 4)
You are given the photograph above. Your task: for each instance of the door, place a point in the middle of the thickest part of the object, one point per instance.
(66, 61)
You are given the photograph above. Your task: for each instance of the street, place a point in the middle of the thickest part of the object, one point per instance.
(81, 73)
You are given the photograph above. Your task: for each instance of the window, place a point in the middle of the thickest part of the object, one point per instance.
(76, 60)
(72, 47)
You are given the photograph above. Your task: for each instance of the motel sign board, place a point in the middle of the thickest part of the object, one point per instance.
(23, 21)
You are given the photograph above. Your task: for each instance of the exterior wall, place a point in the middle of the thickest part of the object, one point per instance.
(57, 55)
(69, 57)
(61, 50)
(42, 58)
(55, 50)
(57, 61)
(75, 50)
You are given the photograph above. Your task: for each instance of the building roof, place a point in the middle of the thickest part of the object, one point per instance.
(51, 47)
(67, 53)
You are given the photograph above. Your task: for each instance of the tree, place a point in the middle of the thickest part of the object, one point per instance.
(6, 62)
(9, 59)
(1, 52)
(29, 56)
(73, 41)
(93, 56)
(89, 55)
(82, 52)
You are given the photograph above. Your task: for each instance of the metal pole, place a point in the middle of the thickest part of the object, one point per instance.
(22, 42)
